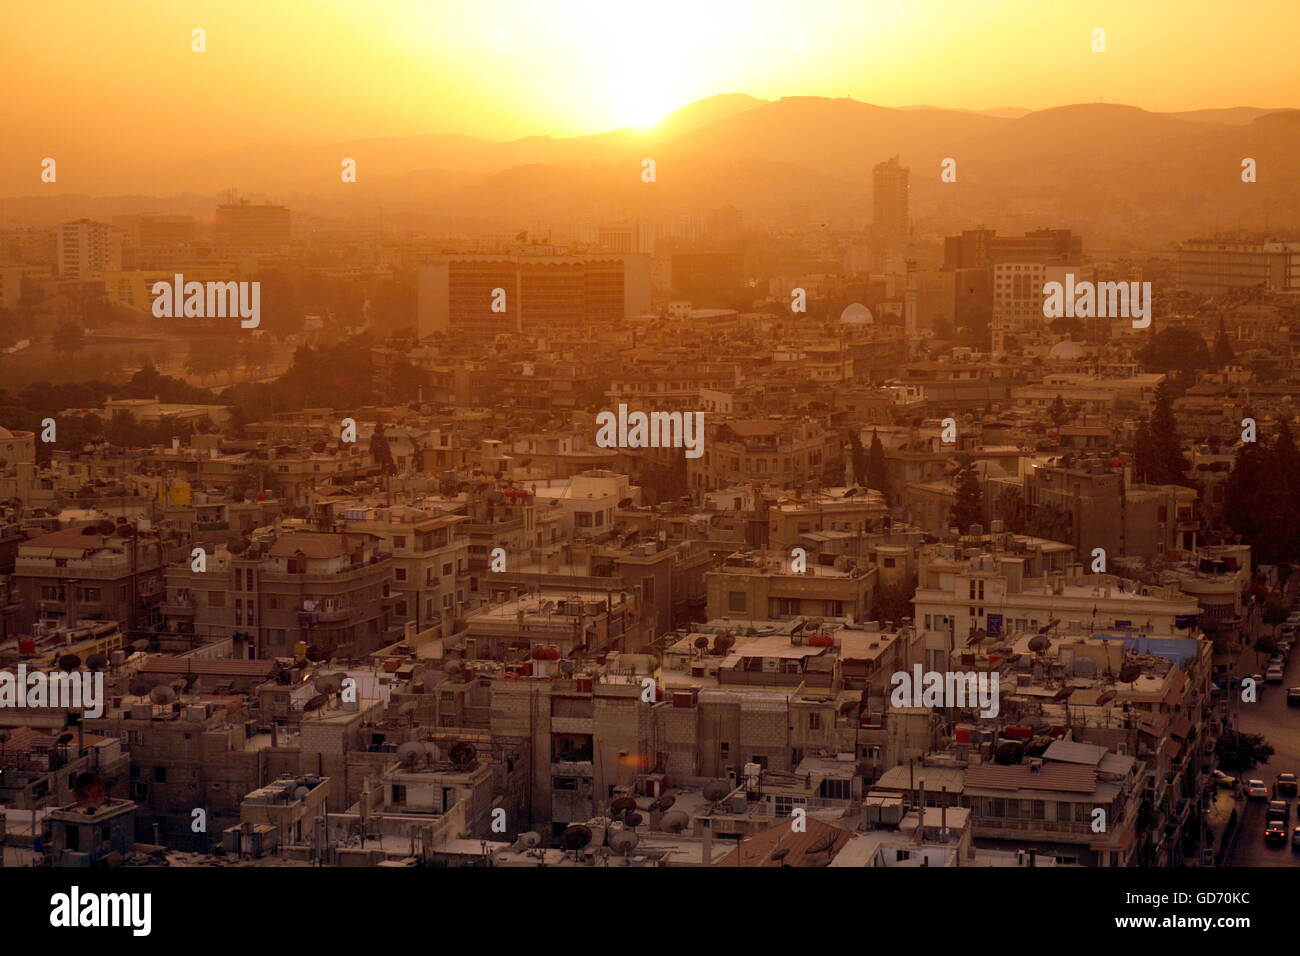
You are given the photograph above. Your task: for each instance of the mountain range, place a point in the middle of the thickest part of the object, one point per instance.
(1117, 173)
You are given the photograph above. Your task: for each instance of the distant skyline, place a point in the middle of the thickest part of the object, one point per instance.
(87, 81)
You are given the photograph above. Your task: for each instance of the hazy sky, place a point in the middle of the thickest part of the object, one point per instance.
(120, 77)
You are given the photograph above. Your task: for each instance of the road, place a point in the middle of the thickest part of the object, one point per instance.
(1280, 726)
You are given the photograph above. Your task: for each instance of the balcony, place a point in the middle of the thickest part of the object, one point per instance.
(178, 609)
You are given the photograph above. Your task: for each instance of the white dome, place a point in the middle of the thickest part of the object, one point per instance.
(1066, 351)
(856, 314)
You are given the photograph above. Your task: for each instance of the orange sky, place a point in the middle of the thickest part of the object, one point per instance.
(85, 75)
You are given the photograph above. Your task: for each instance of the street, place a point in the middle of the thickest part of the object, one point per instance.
(1280, 726)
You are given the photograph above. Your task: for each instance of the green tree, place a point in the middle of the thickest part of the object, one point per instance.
(894, 601)
(1010, 508)
(857, 458)
(1238, 751)
(877, 471)
(1175, 349)
(69, 337)
(1223, 354)
(968, 508)
(380, 453)
(1158, 451)
(1049, 521)
(1059, 413)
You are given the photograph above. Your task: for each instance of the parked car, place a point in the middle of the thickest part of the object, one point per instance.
(1221, 779)
(1295, 839)
(1278, 810)
(1274, 674)
(1258, 679)
(1285, 784)
(1275, 832)
(1255, 790)
(1293, 696)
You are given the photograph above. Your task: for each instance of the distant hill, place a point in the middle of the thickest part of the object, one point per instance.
(1115, 172)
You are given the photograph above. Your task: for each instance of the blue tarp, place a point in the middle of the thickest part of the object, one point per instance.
(1176, 649)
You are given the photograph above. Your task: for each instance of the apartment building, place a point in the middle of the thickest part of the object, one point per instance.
(332, 591)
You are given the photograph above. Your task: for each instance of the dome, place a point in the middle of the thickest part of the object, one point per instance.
(856, 314)
(1066, 351)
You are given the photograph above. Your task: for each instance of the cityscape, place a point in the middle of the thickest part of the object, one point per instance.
(742, 468)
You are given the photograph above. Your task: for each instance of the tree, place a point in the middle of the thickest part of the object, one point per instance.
(69, 337)
(1049, 521)
(1068, 325)
(877, 472)
(1223, 355)
(1175, 349)
(968, 508)
(1158, 451)
(1238, 751)
(1241, 490)
(894, 601)
(858, 458)
(1059, 413)
(380, 453)
(1010, 508)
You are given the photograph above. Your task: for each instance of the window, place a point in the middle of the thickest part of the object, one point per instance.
(648, 588)
(814, 721)
(400, 573)
(399, 793)
(159, 774)
(399, 541)
(736, 601)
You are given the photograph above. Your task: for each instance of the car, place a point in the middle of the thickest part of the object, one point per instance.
(1255, 790)
(1293, 696)
(1295, 839)
(1286, 783)
(1277, 660)
(1278, 810)
(1275, 832)
(1221, 779)
(1274, 675)
(1258, 679)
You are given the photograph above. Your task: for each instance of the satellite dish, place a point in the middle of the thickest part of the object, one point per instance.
(69, 663)
(633, 819)
(780, 853)
(1129, 673)
(1039, 643)
(328, 683)
(139, 687)
(624, 841)
(140, 645)
(701, 642)
(622, 805)
(530, 839)
(162, 694)
(316, 703)
(820, 845)
(674, 821)
(463, 754)
(717, 790)
(301, 793)
(97, 662)
(664, 802)
(575, 837)
(314, 654)
(411, 751)
(64, 739)
(88, 791)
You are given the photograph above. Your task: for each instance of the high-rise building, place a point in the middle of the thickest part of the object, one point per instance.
(457, 293)
(890, 201)
(1210, 266)
(87, 249)
(252, 226)
(983, 248)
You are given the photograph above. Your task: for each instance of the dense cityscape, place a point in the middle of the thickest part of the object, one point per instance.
(784, 483)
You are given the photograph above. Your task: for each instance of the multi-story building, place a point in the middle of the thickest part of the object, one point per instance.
(333, 591)
(1211, 266)
(87, 249)
(537, 292)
